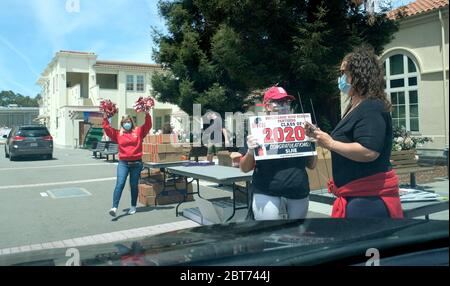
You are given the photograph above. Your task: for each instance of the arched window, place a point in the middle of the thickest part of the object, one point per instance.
(402, 78)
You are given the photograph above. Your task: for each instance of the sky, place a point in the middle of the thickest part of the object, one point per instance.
(32, 31)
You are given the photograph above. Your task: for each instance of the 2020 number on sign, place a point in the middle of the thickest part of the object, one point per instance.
(281, 136)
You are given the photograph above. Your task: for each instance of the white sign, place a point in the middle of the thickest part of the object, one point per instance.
(281, 136)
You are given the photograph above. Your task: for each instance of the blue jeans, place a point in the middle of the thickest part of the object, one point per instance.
(134, 168)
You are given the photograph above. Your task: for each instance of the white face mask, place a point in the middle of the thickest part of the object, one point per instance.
(281, 108)
(286, 109)
(127, 126)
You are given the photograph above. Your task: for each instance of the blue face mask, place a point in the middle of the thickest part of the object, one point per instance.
(343, 85)
(127, 126)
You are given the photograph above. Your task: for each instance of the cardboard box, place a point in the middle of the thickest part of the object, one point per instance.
(145, 148)
(173, 148)
(323, 153)
(147, 157)
(155, 184)
(229, 159)
(150, 190)
(152, 179)
(224, 158)
(159, 149)
(172, 197)
(144, 174)
(319, 177)
(150, 148)
(152, 139)
(158, 188)
(168, 157)
(168, 138)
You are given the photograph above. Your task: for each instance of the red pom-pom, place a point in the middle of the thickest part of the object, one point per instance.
(144, 104)
(108, 107)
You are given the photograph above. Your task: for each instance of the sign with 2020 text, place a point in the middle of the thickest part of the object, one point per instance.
(281, 136)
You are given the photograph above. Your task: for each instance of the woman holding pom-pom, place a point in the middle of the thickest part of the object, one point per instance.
(129, 138)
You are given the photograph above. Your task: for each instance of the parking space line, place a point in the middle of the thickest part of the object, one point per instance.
(104, 237)
(57, 166)
(57, 183)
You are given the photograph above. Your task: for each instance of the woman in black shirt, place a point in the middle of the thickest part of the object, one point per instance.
(361, 142)
(280, 187)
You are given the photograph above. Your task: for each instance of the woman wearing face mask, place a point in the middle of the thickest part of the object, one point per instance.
(129, 138)
(360, 145)
(280, 187)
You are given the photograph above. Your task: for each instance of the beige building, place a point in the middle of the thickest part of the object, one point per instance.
(74, 84)
(416, 64)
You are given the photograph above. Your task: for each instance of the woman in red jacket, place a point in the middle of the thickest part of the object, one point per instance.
(129, 138)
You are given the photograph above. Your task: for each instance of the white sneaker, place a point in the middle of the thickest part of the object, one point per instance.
(132, 211)
(113, 211)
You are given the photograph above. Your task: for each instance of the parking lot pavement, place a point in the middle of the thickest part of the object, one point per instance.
(31, 215)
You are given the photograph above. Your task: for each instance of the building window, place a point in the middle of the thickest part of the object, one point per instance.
(401, 87)
(107, 81)
(158, 123)
(130, 83)
(167, 118)
(140, 83)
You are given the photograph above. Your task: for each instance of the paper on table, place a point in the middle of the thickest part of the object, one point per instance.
(417, 195)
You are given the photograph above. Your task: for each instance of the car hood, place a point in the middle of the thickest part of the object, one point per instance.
(295, 242)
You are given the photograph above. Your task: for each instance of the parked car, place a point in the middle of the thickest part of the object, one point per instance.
(29, 140)
(4, 131)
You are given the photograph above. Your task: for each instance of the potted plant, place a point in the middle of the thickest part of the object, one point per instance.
(404, 145)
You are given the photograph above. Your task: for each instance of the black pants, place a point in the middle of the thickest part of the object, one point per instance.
(366, 207)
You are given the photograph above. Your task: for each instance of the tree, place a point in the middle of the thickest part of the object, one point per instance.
(217, 52)
(9, 97)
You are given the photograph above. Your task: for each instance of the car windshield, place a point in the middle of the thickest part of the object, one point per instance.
(224, 133)
(32, 132)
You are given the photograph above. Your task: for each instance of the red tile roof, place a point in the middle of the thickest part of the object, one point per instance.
(417, 7)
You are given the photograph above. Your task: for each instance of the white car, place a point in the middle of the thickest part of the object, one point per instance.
(4, 131)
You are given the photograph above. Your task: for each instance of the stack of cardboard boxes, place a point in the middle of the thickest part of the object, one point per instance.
(230, 159)
(164, 148)
(319, 176)
(152, 191)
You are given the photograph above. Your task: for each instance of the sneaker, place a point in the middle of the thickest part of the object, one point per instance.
(132, 211)
(113, 211)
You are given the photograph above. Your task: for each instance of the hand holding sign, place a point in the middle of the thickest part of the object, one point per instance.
(252, 142)
(309, 129)
(323, 139)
